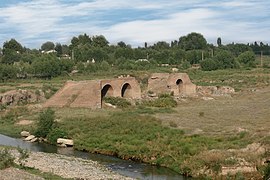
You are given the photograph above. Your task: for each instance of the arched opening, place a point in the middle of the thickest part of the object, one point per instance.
(126, 91)
(107, 90)
(179, 83)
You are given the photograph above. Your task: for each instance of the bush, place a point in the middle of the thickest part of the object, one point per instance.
(267, 172)
(56, 133)
(45, 123)
(209, 65)
(48, 90)
(117, 101)
(6, 159)
(164, 101)
(24, 154)
(247, 58)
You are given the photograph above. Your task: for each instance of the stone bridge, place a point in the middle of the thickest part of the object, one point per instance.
(176, 83)
(89, 94)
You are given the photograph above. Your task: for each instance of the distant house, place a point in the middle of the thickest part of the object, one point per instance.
(49, 52)
(142, 60)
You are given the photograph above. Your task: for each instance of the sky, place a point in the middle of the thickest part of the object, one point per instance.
(33, 22)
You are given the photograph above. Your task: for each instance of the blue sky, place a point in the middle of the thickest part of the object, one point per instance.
(33, 22)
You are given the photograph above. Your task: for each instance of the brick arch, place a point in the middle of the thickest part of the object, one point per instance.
(179, 82)
(126, 90)
(107, 90)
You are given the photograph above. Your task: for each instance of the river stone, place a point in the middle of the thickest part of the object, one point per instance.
(34, 140)
(29, 138)
(68, 142)
(25, 134)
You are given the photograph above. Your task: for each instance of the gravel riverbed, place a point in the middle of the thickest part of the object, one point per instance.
(64, 166)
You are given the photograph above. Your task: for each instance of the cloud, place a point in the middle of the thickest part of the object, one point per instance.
(33, 22)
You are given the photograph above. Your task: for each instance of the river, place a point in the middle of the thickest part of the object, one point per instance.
(124, 167)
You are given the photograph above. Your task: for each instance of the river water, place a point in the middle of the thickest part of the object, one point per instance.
(124, 167)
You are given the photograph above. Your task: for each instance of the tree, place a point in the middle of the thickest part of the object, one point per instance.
(46, 66)
(99, 41)
(65, 49)
(209, 65)
(122, 44)
(161, 45)
(237, 48)
(12, 45)
(7, 72)
(247, 58)
(194, 56)
(11, 56)
(82, 39)
(219, 43)
(45, 123)
(192, 41)
(58, 48)
(225, 60)
(145, 45)
(47, 46)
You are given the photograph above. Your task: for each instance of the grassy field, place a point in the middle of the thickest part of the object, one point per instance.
(194, 135)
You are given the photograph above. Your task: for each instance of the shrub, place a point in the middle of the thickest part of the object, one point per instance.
(6, 159)
(45, 123)
(117, 101)
(267, 172)
(24, 154)
(56, 133)
(48, 90)
(209, 65)
(186, 65)
(247, 58)
(164, 101)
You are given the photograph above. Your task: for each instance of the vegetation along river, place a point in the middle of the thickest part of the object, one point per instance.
(123, 167)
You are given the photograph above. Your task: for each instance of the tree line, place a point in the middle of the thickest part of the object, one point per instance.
(89, 54)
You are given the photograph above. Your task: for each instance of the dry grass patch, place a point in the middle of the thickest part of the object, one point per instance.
(224, 116)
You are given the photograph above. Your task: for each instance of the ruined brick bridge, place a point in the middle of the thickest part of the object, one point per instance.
(89, 94)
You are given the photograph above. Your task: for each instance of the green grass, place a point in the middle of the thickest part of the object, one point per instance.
(143, 138)
(10, 117)
(165, 136)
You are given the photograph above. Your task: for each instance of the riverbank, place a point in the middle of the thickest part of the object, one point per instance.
(199, 137)
(60, 165)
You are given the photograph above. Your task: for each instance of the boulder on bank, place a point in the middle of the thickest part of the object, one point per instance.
(15, 97)
(30, 138)
(64, 142)
(25, 134)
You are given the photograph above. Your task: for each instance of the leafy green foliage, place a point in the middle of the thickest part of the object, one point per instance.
(6, 159)
(49, 90)
(7, 72)
(209, 65)
(24, 154)
(189, 49)
(192, 41)
(163, 101)
(45, 123)
(12, 45)
(247, 58)
(47, 66)
(47, 46)
(117, 101)
(266, 172)
(56, 133)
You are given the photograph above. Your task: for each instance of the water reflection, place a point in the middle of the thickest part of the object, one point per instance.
(124, 167)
